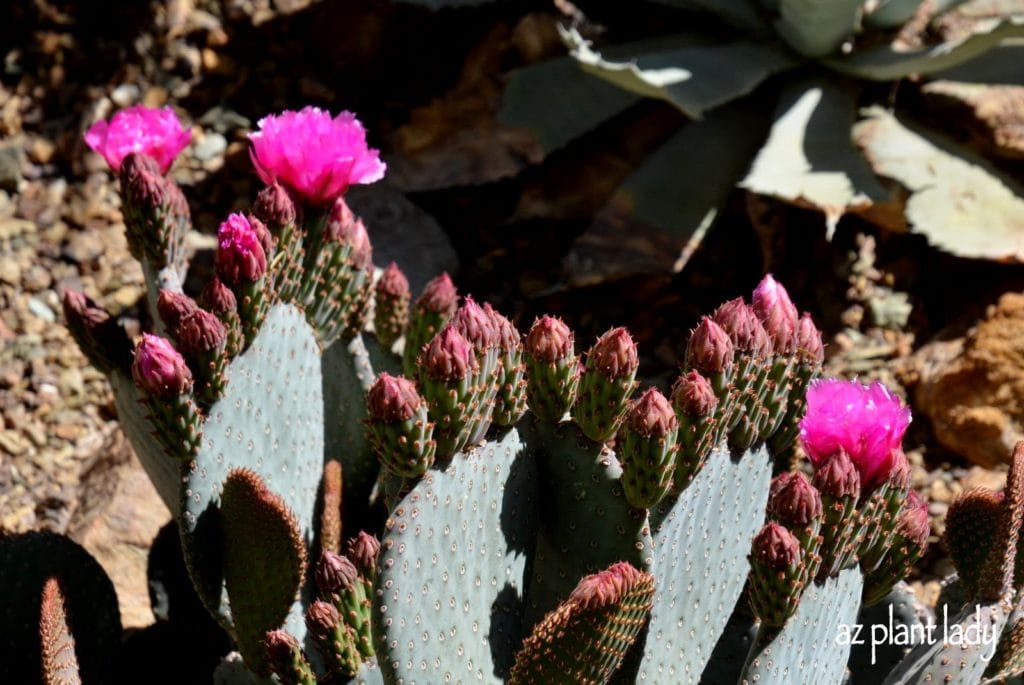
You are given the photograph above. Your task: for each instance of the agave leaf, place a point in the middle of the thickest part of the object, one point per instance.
(742, 14)
(891, 14)
(999, 66)
(694, 78)
(657, 218)
(957, 201)
(584, 101)
(887, 64)
(816, 28)
(810, 159)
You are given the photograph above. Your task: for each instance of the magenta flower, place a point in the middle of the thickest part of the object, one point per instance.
(868, 422)
(240, 255)
(154, 132)
(315, 156)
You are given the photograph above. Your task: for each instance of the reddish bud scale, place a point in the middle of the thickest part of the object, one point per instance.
(363, 550)
(614, 355)
(776, 547)
(200, 335)
(693, 396)
(743, 327)
(475, 325)
(439, 296)
(392, 399)
(549, 340)
(448, 357)
(836, 476)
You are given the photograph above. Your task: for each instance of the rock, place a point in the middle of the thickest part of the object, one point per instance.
(10, 168)
(973, 389)
(210, 147)
(117, 519)
(40, 310)
(125, 95)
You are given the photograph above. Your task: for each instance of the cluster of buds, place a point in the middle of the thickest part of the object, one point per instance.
(858, 507)
(338, 620)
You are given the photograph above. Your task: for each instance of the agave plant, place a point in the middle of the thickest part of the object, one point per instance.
(834, 141)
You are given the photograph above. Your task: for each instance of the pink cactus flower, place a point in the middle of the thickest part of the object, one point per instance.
(314, 155)
(154, 132)
(866, 421)
(240, 256)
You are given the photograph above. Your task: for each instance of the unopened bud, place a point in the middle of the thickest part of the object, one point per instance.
(334, 573)
(274, 206)
(449, 356)
(710, 351)
(549, 340)
(913, 520)
(614, 354)
(392, 398)
(159, 369)
(473, 322)
(200, 333)
(809, 347)
(344, 227)
(174, 307)
(743, 327)
(776, 547)
(777, 312)
(218, 298)
(693, 395)
(837, 476)
(363, 550)
(322, 619)
(794, 502)
(439, 296)
(651, 416)
(240, 255)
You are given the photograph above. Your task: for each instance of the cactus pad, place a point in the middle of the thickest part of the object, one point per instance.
(452, 569)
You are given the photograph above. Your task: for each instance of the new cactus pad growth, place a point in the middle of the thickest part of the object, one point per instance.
(543, 518)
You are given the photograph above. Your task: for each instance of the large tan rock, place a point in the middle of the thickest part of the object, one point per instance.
(973, 389)
(118, 516)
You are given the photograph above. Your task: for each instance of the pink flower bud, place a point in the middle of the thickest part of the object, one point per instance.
(159, 369)
(346, 228)
(334, 573)
(899, 473)
(144, 182)
(174, 307)
(508, 336)
(777, 312)
(439, 296)
(743, 327)
(81, 310)
(240, 256)
(393, 282)
(274, 206)
(262, 234)
(605, 587)
(449, 356)
(693, 395)
(392, 398)
(912, 522)
(868, 422)
(776, 547)
(281, 648)
(710, 350)
(794, 501)
(218, 298)
(614, 354)
(363, 550)
(651, 416)
(156, 133)
(836, 476)
(809, 347)
(549, 340)
(475, 325)
(322, 618)
(314, 155)
(200, 333)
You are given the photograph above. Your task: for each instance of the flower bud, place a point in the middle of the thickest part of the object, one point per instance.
(262, 234)
(143, 181)
(200, 333)
(363, 550)
(81, 311)
(174, 307)
(776, 547)
(743, 327)
(900, 474)
(439, 296)
(693, 395)
(651, 416)
(449, 356)
(159, 369)
(837, 476)
(614, 354)
(709, 350)
(218, 298)
(274, 206)
(322, 618)
(777, 312)
(334, 573)
(281, 650)
(549, 340)
(508, 336)
(240, 255)
(393, 282)
(392, 398)
(809, 347)
(344, 227)
(913, 520)
(473, 322)
(794, 501)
